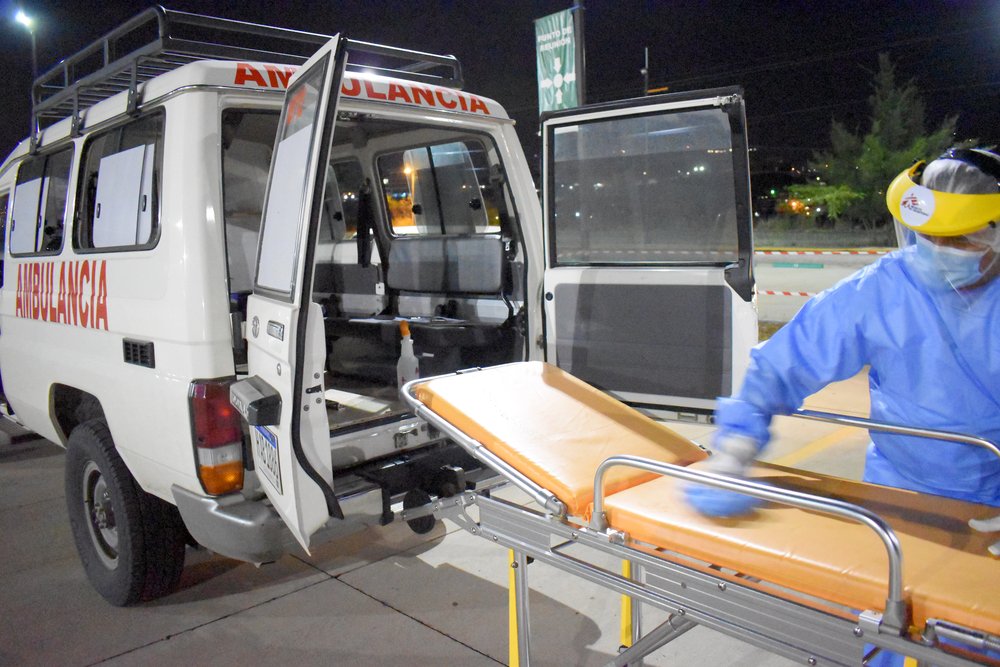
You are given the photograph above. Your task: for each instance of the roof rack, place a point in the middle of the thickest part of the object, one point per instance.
(160, 40)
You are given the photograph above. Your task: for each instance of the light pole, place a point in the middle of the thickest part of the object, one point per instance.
(29, 23)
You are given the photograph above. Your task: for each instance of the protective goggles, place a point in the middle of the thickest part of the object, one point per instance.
(937, 213)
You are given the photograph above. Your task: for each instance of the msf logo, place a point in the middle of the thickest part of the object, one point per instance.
(912, 203)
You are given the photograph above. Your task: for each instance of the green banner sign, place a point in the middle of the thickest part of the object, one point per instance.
(555, 43)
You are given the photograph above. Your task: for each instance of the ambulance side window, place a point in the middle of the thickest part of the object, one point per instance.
(40, 204)
(119, 194)
(444, 188)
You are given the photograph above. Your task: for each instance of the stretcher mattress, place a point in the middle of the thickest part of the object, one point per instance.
(947, 573)
(556, 430)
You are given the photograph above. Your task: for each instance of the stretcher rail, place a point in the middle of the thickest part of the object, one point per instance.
(897, 429)
(894, 614)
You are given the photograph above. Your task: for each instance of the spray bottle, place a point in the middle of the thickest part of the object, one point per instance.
(406, 368)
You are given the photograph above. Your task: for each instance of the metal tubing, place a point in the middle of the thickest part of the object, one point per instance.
(861, 422)
(669, 630)
(787, 628)
(894, 614)
(637, 575)
(521, 592)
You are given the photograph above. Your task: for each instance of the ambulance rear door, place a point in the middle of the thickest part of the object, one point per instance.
(648, 288)
(282, 399)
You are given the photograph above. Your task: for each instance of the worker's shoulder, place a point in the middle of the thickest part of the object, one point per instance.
(889, 270)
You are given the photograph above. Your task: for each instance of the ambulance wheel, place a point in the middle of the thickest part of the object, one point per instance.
(417, 498)
(131, 543)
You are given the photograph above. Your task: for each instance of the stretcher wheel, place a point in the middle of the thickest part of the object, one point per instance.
(419, 498)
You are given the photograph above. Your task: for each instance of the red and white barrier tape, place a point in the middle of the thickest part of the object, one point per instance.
(768, 292)
(821, 252)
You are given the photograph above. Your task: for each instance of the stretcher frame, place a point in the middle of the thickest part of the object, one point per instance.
(784, 624)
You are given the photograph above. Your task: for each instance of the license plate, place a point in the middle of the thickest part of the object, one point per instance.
(265, 455)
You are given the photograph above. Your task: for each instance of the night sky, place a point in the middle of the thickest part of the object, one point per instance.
(800, 63)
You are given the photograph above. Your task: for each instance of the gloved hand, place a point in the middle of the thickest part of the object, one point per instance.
(731, 455)
(988, 526)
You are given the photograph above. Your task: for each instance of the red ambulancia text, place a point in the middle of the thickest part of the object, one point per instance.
(74, 293)
(414, 93)
(269, 76)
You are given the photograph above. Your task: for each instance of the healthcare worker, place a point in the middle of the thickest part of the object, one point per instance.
(926, 319)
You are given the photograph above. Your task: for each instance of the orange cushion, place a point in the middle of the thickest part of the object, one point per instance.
(947, 572)
(553, 428)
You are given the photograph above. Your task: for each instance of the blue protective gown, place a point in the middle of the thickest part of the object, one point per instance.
(935, 363)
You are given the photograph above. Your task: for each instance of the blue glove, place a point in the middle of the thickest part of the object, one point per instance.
(719, 503)
(731, 456)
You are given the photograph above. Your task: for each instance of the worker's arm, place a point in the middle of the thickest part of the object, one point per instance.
(823, 343)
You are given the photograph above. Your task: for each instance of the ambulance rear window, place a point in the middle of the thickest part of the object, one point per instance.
(247, 143)
(118, 203)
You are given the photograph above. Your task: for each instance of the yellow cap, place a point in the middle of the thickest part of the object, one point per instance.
(936, 213)
(404, 328)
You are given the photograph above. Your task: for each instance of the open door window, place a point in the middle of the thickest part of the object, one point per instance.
(286, 348)
(649, 290)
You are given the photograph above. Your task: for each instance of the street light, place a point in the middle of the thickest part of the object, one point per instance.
(29, 23)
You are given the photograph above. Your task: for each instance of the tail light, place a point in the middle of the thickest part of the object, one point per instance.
(217, 433)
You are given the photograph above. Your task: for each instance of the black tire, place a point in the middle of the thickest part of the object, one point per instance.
(131, 543)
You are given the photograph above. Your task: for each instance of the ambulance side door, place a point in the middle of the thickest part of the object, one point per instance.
(648, 287)
(282, 398)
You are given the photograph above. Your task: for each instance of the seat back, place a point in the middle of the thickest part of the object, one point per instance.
(446, 264)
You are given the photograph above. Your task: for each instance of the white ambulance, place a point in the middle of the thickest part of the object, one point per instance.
(196, 219)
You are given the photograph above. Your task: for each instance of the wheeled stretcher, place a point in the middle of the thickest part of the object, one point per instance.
(826, 567)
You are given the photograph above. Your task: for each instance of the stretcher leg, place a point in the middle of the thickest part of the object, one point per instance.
(627, 636)
(672, 628)
(636, 608)
(519, 626)
(631, 614)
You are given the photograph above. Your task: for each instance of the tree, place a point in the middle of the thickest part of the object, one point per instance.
(855, 172)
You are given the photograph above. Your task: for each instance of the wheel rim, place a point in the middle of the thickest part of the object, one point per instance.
(100, 515)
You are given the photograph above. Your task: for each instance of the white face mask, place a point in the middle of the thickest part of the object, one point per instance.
(946, 266)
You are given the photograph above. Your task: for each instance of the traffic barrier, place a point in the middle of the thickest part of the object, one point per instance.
(768, 292)
(824, 252)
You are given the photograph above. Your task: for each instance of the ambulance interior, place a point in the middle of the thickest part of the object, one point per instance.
(418, 225)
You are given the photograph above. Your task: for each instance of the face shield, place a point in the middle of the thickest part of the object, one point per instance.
(950, 209)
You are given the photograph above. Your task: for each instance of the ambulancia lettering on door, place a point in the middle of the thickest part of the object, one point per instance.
(269, 76)
(74, 293)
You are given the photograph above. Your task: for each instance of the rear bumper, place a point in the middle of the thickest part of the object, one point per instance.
(234, 526)
(252, 531)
